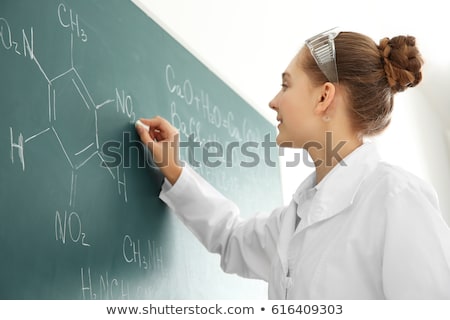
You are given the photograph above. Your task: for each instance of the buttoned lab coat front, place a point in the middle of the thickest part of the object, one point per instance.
(370, 231)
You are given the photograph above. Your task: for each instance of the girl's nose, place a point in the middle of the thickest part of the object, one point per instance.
(272, 104)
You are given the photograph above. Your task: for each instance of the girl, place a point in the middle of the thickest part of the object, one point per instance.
(357, 228)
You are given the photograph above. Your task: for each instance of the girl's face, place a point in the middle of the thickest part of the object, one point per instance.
(295, 106)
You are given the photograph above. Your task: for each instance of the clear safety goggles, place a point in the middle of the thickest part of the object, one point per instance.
(323, 50)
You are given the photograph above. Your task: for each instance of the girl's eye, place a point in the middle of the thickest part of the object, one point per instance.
(284, 86)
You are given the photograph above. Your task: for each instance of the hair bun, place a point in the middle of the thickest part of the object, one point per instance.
(402, 62)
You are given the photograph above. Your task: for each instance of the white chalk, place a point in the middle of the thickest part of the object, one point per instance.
(140, 123)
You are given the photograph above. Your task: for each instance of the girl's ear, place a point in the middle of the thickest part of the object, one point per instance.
(325, 99)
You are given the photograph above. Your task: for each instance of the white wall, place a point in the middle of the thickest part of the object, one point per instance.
(248, 43)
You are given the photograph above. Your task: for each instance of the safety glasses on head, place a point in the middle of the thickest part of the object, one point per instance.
(323, 50)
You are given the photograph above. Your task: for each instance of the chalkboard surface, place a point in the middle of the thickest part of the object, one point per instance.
(80, 216)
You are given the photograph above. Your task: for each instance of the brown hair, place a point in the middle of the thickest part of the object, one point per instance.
(371, 75)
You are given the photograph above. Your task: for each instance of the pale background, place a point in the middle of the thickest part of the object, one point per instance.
(248, 43)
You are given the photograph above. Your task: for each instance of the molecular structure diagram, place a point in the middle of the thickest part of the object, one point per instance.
(60, 119)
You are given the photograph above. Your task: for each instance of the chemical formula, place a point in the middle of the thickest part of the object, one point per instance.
(81, 212)
(83, 147)
(88, 149)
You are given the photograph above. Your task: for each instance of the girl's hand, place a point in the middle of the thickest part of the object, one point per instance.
(162, 139)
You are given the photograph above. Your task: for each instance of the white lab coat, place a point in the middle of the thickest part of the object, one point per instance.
(369, 231)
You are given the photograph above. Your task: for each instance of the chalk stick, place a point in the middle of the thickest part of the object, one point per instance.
(140, 123)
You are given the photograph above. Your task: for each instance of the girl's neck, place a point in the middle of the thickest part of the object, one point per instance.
(332, 152)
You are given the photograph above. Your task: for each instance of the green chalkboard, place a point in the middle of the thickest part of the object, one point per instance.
(80, 216)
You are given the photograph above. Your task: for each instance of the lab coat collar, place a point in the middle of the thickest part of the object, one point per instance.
(339, 187)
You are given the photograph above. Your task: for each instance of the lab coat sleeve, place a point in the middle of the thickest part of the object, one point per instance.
(416, 263)
(246, 247)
